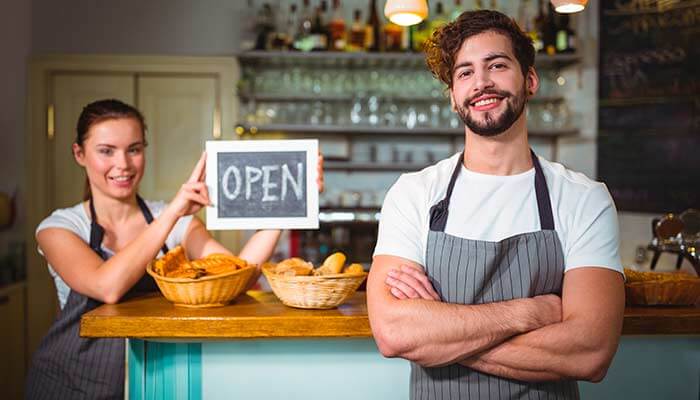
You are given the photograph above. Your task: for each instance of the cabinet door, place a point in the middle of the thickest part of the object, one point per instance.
(179, 112)
(72, 92)
(12, 337)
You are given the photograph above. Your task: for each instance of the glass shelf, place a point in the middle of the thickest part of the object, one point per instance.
(365, 59)
(374, 131)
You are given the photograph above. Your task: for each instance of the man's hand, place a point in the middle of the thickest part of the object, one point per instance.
(410, 283)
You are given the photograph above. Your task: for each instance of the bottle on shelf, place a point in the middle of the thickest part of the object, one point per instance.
(420, 34)
(336, 28)
(291, 25)
(319, 31)
(356, 38)
(393, 37)
(302, 40)
(373, 29)
(538, 28)
(566, 38)
(264, 27)
(549, 38)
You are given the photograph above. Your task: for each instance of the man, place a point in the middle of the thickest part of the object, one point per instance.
(496, 272)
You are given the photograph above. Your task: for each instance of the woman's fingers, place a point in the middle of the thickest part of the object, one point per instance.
(198, 171)
(319, 168)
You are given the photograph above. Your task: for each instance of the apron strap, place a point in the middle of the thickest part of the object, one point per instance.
(97, 232)
(544, 205)
(440, 211)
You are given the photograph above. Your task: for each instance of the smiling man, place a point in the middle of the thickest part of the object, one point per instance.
(496, 272)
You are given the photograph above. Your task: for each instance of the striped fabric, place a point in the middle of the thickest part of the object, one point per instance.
(465, 271)
(68, 367)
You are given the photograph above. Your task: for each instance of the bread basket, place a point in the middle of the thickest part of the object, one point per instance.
(313, 292)
(661, 288)
(676, 293)
(208, 291)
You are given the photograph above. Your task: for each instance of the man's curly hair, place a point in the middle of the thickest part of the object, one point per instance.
(441, 49)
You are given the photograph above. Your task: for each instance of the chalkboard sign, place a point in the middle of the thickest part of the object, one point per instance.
(649, 108)
(262, 184)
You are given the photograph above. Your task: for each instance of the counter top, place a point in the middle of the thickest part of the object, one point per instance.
(261, 315)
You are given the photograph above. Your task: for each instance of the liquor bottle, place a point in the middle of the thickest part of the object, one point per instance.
(319, 33)
(549, 38)
(291, 26)
(302, 40)
(539, 26)
(565, 42)
(393, 37)
(356, 40)
(373, 29)
(264, 27)
(336, 28)
(420, 34)
(456, 10)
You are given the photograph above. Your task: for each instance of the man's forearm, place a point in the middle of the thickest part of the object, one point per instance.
(567, 350)
(434, 333)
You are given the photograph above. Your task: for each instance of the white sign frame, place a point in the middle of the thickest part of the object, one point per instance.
(310, 221)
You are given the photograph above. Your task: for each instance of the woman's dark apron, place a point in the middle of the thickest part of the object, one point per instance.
(66, 366)
(465, 271)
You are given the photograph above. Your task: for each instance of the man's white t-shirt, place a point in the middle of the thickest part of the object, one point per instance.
(75, 219)
(492, 208)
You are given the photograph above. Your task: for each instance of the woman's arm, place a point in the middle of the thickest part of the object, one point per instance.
(107, 281)
(85, 272)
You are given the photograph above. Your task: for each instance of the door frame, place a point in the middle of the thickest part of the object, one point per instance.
(42, 303)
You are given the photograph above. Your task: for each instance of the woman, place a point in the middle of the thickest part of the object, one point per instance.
(98, 250)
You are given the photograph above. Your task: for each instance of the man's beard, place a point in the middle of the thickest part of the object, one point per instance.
(490, 126)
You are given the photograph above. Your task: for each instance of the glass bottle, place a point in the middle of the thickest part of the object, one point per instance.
(336, 28)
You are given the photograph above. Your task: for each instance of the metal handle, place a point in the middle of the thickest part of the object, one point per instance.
(50, 126)
(216, 126)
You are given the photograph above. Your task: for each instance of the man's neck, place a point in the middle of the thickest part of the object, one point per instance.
(505, 154)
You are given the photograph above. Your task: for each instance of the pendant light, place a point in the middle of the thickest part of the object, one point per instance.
(569, 6)
(406, 12)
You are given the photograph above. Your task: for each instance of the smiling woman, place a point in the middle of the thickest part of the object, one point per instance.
(98, 250)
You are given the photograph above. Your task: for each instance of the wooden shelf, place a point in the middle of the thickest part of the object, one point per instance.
(365, 59)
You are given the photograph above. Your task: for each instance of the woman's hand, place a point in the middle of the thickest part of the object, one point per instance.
(319, 168)
(193, 194)
(410, 283)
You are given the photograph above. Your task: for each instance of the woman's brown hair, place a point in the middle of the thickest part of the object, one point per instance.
(100, 111)
(441, 49)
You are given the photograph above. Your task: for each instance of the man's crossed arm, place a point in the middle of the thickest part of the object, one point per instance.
(533, 339)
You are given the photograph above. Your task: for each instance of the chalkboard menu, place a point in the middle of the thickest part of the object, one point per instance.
(649, 108)
(262, 184)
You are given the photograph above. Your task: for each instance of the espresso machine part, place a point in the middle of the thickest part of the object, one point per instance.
(671, 235)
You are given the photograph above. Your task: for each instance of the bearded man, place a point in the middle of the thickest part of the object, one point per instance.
(496, 273)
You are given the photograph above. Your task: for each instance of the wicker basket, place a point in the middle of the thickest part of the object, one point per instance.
(209, 291)
(677, 293)
(313, 292)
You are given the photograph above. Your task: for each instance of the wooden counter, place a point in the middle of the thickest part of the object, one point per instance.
(261, 315)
